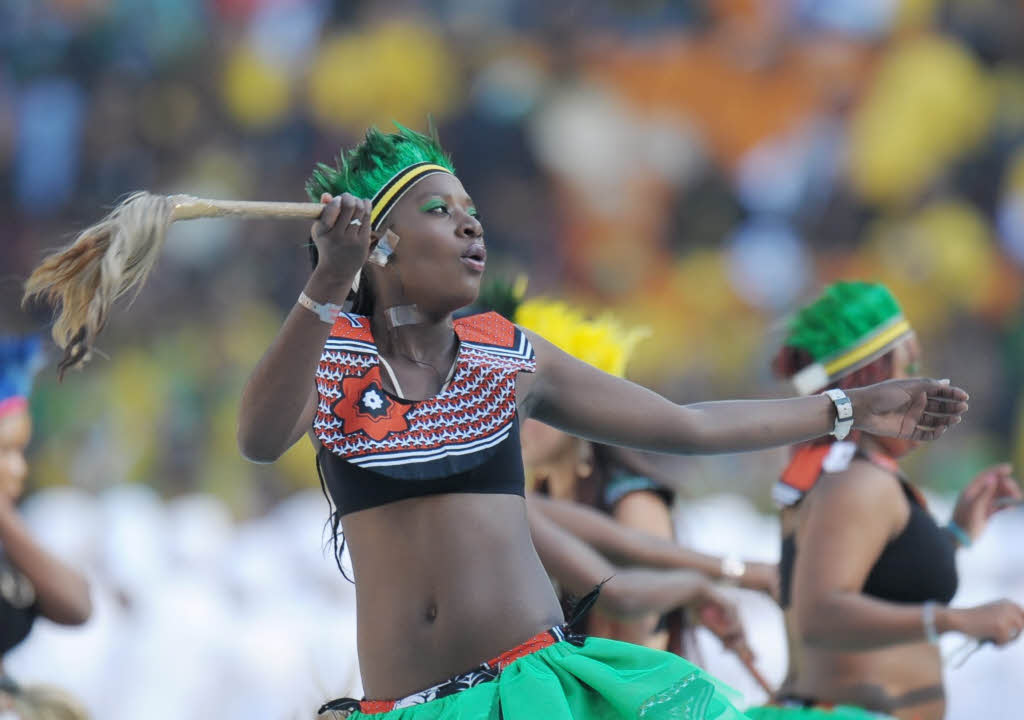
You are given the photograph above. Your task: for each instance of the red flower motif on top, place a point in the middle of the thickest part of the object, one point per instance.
(364, 406)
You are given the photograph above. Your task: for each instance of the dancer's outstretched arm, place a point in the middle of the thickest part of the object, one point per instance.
(584, 401)
(626, 546)
(279, 400)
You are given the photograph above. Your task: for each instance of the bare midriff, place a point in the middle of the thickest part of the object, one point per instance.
(443, 583)
(904, 681)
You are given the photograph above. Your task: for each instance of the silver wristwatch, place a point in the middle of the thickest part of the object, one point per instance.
(844, 412)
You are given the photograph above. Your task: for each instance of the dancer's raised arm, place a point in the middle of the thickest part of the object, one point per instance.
(582, 400)
(279, 399)
(62, 592)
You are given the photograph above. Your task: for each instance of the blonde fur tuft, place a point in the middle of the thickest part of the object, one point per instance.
(104, 261)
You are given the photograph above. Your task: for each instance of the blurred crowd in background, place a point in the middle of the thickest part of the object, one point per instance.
(197, 616)
(699, 167)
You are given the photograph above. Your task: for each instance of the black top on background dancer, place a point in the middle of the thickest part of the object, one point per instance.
(867, 573)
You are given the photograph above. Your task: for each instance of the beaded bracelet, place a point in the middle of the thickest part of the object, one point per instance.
(961, 536)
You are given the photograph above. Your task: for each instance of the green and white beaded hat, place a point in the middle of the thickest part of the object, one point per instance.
(850, 326)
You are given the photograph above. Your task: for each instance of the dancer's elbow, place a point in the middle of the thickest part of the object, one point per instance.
(71, 606)
(81, 610)
(256, 447)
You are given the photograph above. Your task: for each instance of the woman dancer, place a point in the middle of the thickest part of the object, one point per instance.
(866, 572)
(416, 418)
(615, 481)
(32, 581)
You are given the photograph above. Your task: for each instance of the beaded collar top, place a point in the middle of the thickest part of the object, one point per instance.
(378, 448)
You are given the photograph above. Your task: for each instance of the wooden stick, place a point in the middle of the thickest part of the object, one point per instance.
(186, 207)
(83, 279)
(748, 663)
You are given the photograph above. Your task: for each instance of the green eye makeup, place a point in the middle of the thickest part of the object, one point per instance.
(432, 205)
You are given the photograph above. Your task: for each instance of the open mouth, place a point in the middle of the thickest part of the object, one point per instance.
(475, 256)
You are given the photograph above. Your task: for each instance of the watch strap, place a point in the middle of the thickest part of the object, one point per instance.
(844, 412)
(327, 312)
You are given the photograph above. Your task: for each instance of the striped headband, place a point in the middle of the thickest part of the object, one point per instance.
(866, 350)
(388, 196)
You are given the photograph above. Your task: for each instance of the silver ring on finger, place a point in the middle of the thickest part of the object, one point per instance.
(355, 221)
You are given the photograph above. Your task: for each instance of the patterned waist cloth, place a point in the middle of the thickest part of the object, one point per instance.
(485, 672)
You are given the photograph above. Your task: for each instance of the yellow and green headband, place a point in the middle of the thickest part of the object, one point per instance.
(385, 199)
(861, 353)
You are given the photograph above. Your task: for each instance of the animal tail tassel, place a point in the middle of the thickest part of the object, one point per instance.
(106, 260)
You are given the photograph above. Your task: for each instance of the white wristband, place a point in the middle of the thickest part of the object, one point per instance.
(327, 312)
(733, 569)
(928, 620)
(844, 412)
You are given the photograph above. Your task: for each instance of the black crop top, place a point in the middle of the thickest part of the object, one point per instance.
(18, 605)
(378, 448)
(917, 565)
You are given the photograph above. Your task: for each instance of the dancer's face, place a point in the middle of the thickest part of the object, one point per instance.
(440, 257)
(15, 432)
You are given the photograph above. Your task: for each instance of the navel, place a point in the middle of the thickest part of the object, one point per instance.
(430, 614)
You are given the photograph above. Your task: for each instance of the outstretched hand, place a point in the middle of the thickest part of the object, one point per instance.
(915, 409)
(981, 498)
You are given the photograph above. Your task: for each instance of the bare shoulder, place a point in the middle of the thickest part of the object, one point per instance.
(542, 348)
(526, 381)
(558, 369)
(861, 490)
(552, 363)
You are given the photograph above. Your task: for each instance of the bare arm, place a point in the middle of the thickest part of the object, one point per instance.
(634, 592)
(854, 515)
(628, 592)
(279, 399)
(584, 401)
(625, 545)
(63, 593)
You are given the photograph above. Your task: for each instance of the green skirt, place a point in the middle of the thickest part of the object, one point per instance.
(602, 679)
(839, 712)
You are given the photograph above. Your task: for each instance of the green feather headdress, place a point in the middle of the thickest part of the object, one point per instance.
(851, 325)
(381, 168)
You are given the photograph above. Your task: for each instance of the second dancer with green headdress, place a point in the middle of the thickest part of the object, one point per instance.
(867, 574)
